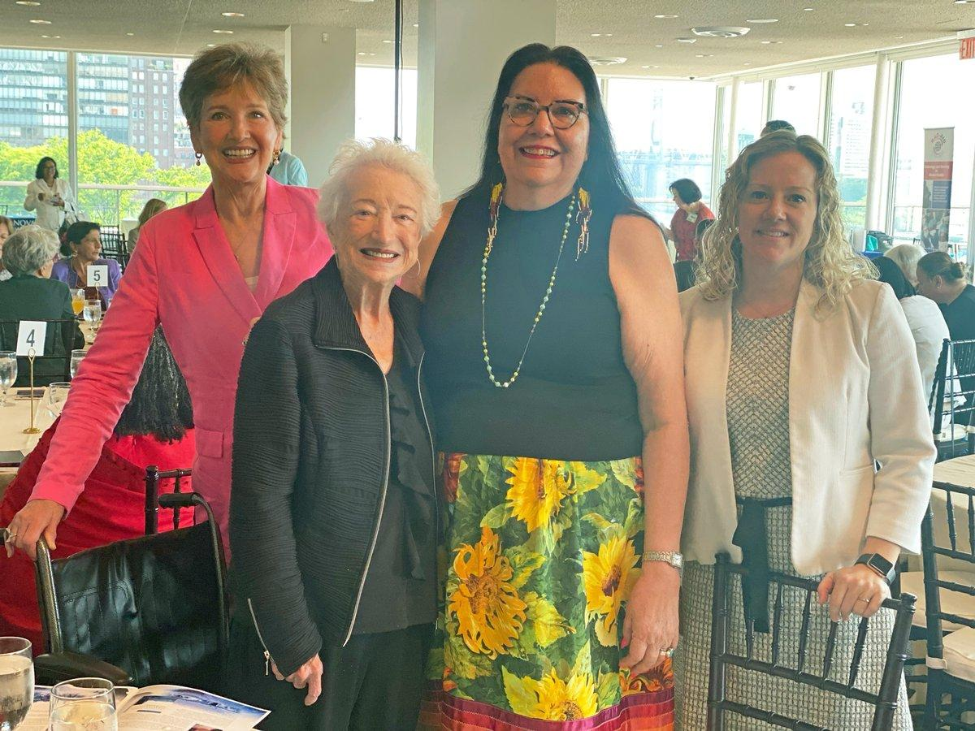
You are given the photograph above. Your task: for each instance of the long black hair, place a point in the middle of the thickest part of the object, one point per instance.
(160, 404)
(601, 174)
(890, 273)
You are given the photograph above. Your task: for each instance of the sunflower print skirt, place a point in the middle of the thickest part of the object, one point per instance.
(539, 561)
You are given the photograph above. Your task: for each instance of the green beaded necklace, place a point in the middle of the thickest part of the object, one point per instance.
(496, 194)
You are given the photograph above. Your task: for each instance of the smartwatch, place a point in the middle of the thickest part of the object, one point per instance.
(880, 565)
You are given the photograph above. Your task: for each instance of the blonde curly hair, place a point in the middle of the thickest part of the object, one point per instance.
(830, 263)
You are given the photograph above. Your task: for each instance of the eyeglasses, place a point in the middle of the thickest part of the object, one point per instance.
(562, 114)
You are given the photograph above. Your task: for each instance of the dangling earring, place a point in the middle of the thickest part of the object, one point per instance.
(277, 156)
(199, 156)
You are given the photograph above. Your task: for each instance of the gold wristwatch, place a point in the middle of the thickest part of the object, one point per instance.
(672, 558)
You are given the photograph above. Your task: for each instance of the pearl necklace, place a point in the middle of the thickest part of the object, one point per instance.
(496, 194)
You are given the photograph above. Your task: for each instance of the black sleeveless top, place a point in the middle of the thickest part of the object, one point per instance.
(574, 398)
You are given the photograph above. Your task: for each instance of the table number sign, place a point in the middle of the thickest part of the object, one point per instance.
(31, 335)
(97, 275)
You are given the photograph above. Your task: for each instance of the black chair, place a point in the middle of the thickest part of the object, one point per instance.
(950, 654)
(113, 245)
(53, 359)
(952, 401)
(141, 611)
(719, 706)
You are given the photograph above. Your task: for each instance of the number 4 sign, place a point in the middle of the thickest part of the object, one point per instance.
(97, 275)
(31, 336)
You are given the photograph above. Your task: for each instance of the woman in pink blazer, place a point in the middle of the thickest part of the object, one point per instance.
(205, 271)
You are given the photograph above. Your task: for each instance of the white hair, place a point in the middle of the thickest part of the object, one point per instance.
(28, 249)
(906, 256)
(354, 155)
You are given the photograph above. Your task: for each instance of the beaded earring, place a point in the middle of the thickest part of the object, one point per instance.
(199, 156)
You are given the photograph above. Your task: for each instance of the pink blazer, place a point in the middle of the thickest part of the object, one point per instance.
(183, 275)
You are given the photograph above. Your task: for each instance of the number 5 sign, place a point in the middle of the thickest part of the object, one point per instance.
(30, 336)
(97, 275)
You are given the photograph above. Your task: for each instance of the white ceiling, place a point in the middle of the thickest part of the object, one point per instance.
(181, 27)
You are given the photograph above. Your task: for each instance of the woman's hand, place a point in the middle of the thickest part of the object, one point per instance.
(37, 517)
(309, 674)
(651, 627)
(853, 590)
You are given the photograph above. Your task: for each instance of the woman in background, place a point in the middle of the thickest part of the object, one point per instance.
(690, 211)
(50, 196)
(84, 242)
(6, 229)
(152, 207)
(906, 256)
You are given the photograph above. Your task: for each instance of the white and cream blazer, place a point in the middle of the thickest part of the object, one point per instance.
(855, 396)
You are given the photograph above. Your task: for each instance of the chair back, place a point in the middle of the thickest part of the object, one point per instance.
(951, 506)
(153, 478)
(53, 359)
(952, 399)
(154, 606)
(113, 245)
(822, 676)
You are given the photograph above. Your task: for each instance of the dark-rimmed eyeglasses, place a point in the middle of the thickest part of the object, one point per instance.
(562, 114)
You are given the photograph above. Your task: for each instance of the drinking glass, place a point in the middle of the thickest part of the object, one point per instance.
(93, 316)
(57, 394)
(83, 704)
(76, 357)
(16, 681)
(78, 301)
(8, 374)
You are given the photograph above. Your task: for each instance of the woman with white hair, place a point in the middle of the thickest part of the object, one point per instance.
(333, 515)
(906, 256)
(29, 294)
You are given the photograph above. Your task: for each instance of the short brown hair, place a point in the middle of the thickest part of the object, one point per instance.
(222, 67)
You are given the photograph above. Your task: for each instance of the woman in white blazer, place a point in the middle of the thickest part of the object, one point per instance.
(800, 377)
(49, 195)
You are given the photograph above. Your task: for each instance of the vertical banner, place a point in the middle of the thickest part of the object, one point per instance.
(939, 148)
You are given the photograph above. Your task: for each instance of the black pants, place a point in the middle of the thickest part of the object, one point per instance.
(374, 683)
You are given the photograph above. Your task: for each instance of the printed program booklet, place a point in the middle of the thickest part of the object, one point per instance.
(161, 708)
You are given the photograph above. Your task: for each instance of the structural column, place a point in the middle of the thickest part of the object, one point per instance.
(462, 46)
(320, 64)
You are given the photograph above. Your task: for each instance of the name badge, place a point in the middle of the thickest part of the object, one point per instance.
(97, 275)
(31, 336)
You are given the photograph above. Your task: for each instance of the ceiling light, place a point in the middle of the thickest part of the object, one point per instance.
(762, 21)
(687, 40)
(601, 35)
(664, 17)
(416, 25)
(957, 2)
(130, 34)
(41, 22)
(224, 32)
(607, 60)
(659, 45)
(769, 43)
(809, 10)
(28, 3)
(232, 15)
(720, 31)
(703, 55)
(361, 1)
(211, 45)
(649, 67)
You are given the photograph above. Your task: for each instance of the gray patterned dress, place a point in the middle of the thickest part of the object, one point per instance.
(758, 428)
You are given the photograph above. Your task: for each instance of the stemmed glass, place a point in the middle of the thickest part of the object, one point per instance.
(8, 374)
(76, 357)
(93, 316)
(77, 301)
(16, 681)
(57, 394)
(83, 704)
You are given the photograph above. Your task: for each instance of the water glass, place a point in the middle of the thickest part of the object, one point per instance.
(93, 317)
(57, 394)
(76, 357)
(16, 681)
(8, 374)
(84, 704)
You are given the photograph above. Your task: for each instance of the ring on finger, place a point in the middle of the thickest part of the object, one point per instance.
(669, 652)
(861, 599)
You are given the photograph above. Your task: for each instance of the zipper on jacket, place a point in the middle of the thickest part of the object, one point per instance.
(433, 453)
(267, 655)
(382, 500)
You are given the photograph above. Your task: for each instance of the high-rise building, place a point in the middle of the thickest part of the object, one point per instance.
(33, 96)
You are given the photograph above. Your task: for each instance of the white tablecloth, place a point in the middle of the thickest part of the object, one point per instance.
(13, 420)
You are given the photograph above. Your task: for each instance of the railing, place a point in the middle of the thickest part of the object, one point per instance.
(106, 204)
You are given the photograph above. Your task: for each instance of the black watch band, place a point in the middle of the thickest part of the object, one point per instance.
(880, 565)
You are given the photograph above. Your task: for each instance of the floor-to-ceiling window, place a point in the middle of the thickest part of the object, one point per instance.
(848, 138)
(797, 100)
(374, 103)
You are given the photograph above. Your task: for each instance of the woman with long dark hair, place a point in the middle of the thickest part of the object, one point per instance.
(553, 348)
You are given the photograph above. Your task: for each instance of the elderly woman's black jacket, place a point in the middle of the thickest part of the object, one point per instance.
(310, 466)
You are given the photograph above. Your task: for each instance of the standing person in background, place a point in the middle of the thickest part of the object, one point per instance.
(152, 207)
(690, 211)
(84, 242)
(50, 196)
(775, 125)
(205, 272)
(553, 358)
(287, 169)
(6, 229)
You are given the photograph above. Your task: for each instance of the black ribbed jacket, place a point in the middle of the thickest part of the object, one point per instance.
(310, 465)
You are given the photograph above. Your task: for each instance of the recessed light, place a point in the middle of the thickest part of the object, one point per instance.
(687, 40)
(386, 40)
(130, 34)
(232, 15)
(762, 21)
(769, 43)
(659, 45)
(664, 17)
(957, 2)
(416, 25)
(649, 67)
(224, 32)
(37, 21)
(28, 3)
(808, 10)
(703, 55)
(211, 45)
(601, 35)
(748, 63)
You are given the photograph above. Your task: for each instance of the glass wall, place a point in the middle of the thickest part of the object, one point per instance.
(374, 104)
(664, 130)
(749, 117)
(848, 138)
(934, 93)
(796, 99)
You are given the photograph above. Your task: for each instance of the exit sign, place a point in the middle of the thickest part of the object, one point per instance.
(966, 49)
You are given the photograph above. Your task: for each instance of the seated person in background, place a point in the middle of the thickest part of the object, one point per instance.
(150, 209)
(30, 295)
(774, 125)
(6, 228)
(84, 244)
(927, 323)
(156, 428)
(906, 256)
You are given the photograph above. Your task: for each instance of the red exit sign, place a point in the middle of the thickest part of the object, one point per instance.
(966, 49)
